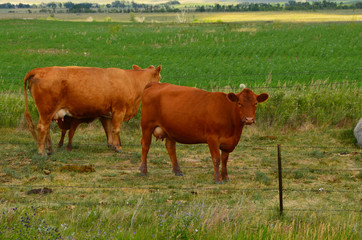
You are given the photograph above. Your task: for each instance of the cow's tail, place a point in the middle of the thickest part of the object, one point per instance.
(29, 121)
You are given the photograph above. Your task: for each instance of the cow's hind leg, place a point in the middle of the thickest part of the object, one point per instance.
(215, 154)
(224, 161)
(145, 142)
(61, 141)
(171, 149)
(43, 131)
(73, 126)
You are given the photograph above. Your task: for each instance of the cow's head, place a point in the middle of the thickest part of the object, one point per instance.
(156, 76)
(247, 101)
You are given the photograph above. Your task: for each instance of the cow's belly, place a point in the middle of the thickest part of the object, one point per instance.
(188, 139)
(184, 135)
(195, 135)
(89, 111)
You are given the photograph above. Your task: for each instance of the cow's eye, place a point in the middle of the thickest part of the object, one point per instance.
(240, 105)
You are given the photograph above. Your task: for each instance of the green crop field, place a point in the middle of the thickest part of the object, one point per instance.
(312, 72)
(202, 55)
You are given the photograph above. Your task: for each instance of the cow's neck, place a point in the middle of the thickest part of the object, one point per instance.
(143, 80)
(238, 124)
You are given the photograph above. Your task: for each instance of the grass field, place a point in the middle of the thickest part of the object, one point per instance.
(112, 200)
(203, 55)
(312, 72)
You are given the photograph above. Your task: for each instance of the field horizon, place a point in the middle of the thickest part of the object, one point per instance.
(158, 1)
(137, 1)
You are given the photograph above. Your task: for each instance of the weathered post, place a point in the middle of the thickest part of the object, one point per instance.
(280, 180)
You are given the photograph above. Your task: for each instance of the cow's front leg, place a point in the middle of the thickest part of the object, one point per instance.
(48, 141)
(171, 149)
(117, 120)
(215, 155)
(224, 161)
(107, 126)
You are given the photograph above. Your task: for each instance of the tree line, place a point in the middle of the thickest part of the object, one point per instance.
(171, 6)
(290, 5)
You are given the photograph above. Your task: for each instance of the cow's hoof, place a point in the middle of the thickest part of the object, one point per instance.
(226, 180)
(179, 174)
(143, 174)
(219, 182)
(117, 149)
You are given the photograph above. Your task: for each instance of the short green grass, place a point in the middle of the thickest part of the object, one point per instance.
(321, 198)
(202, 55)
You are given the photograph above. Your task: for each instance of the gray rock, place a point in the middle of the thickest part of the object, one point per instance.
(358, 132)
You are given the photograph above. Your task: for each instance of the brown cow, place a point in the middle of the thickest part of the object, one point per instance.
(85, 92)
(190, 116)
(71, 124)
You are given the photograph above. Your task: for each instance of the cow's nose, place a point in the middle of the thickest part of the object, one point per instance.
(248, 120)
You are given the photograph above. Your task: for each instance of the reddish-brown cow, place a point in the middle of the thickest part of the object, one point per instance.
(190, 116)
(71, 124)
(85, 92)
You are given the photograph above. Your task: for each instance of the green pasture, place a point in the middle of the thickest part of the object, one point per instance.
(112, 201)
(312, 72)
(202, 55)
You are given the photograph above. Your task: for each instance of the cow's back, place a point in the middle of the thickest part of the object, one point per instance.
(84, 91)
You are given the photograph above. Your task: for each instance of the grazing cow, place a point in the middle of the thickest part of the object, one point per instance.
(71, 124)
(85, 92)
(190, 116)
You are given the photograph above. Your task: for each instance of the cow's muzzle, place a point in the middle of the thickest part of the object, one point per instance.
(248, 120)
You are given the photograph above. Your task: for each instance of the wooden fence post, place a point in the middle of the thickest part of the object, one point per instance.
(280, 180)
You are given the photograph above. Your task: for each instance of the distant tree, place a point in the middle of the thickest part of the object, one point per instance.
(52, 5)
(21, 5)
(68, 5)
(173, 3)
(119, 4)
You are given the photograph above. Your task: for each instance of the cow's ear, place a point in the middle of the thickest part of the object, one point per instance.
(158, 70)
(262, 97)
(135, 67)
(232, 97)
